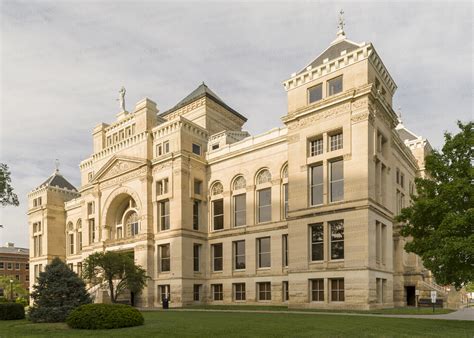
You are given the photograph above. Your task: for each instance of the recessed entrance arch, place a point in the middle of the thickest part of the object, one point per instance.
(122, 214)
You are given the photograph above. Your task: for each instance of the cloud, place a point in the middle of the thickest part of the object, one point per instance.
(62, 64)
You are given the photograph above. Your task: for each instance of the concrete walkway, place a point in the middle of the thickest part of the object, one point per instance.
(462, 314)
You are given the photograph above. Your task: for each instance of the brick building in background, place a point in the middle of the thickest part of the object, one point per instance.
(14, 262)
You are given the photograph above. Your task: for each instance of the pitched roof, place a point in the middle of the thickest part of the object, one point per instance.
(13, 250)
(202, 91)
(332, 52)
(57, 180)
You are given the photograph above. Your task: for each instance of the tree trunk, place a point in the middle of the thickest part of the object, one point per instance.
(111, 287)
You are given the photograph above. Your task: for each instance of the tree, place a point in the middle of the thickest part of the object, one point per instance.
(117, 270)
(58, 290)
(18, 289)
(440, 220)
(7, 196)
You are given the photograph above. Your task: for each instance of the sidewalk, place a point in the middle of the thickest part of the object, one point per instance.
(462, 314)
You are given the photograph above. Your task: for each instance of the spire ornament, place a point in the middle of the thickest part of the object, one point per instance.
(56, 163)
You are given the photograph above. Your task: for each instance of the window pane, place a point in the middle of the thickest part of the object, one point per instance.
(239, 248)
(316, 147)
(317, 185)
(337, 181)
(315, 93)
(264, 205)
(218, 217)
(335, 86)
(317, 242)
(217, 253)
(264, 258)
(337, 239)
(239, 210)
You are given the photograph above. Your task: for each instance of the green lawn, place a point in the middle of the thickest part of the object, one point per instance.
(231, 324)
(394, 311)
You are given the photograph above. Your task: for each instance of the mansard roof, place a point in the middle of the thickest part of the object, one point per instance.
(332, 52)
(202, 91)
(57, 180)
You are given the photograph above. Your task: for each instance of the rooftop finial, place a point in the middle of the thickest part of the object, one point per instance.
(121, 99)
(341, 24)
(56, 163)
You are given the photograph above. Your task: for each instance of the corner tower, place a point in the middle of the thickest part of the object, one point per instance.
(47, 221)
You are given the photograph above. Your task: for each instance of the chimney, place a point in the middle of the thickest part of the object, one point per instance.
(10, 245)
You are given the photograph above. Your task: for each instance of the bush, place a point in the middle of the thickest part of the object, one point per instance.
(9, 311)
(104, 316)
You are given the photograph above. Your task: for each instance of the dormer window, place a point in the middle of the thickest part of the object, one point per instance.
(335, 86)
(315, 93)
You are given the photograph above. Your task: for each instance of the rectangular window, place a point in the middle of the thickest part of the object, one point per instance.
(334, 86)
(264, 205)
(218, 214)
(315, 93)
(27, 266)
(10, 266)
(159, 149)
(196, 214)
(71, 244)
(397, 175)
(92, 236)
(264, 254)
(286, 291)
(337, 239)
(317, 185)
(337, 180)
(215, 146)
(239, 255)
(70, 266)
(402, 180)
(164, 291)
(217, 292)
(285, 250)
(317, 242)
(162, 187)
(335, 141)
(197, 292)
(27, 278)
(79, 245)
(196, 257)
(217, 258)
(317, 290)
(17, 266)
(164, 212)
(197, 187)
(337, 290)
(239, 291)
(166, 147)
(316, 147)
(240, 210)
(264, 291)
(17, 277)
(79, 269)
(90, 208)
(2, 265)
(165, 258)
(285, 201)
(196, 149)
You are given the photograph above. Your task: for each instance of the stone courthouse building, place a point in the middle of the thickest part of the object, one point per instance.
(301, 215)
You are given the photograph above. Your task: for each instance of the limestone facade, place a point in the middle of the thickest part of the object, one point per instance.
(301, 215)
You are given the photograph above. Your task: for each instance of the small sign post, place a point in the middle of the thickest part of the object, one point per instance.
(433, 299)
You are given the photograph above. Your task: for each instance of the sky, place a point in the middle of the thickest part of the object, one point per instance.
(63, 63)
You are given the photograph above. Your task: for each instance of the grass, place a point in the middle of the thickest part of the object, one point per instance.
(237, 324)
(394, 311)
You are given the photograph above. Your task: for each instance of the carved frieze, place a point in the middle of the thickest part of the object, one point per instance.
(161, 167)
(302, 122)
(120, 179)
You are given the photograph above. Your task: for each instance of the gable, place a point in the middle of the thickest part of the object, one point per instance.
(116, 166)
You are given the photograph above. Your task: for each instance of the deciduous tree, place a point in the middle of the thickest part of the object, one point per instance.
(440, 222)
(7, 196)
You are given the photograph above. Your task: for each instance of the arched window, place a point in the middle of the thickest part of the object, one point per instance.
(132, 224)
(284, 191)
(217, 206)
(264, 176)
(70, 238)
(217, 188)
(264, 196)
(239, 195)
(79, 235)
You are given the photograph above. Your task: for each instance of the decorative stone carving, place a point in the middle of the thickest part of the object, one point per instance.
(302, 122)
(239, 183)
(123, 178)
(217, 188)
(264, 177)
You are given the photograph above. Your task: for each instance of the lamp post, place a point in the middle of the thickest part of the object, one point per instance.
(11, 290)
